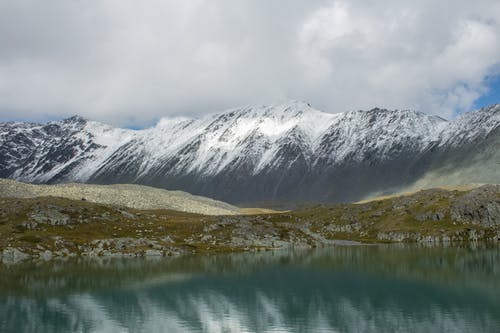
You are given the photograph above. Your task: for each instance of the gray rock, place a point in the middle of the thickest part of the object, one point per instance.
(51, 217)
(433, 216)
(206, 238)
(30, 225)
(153, 253)
(480, 206)
(429, 239)
(46, 255)
(397, 236)
(128, 215)
(13, 255)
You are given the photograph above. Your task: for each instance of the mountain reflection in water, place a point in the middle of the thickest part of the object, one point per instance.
(351, 288)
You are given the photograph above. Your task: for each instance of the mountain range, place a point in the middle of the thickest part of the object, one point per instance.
(284, 153)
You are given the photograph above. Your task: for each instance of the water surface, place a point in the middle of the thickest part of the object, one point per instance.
(338, 289)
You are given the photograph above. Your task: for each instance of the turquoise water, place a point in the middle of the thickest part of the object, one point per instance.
(338, 289)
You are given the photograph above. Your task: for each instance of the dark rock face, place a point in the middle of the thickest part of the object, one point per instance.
(32, 151)
(434, 216)
(481, 206)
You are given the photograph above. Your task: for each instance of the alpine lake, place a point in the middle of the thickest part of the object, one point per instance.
(360, 288)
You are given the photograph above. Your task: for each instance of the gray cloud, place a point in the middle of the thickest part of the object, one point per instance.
(129, 63)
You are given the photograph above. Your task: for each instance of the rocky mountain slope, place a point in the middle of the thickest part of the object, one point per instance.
(288, 152)
(132, 196)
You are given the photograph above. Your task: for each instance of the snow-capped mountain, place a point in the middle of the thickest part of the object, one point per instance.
(258, 153)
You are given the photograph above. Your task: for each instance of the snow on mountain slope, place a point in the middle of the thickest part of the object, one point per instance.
(359, 135)
(107, 138)
(210, 144)
(254, 131)
(470, 126)
(253, 153)
(66, 150)
(17, 143)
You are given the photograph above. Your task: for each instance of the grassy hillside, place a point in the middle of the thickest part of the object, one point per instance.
(50, 226)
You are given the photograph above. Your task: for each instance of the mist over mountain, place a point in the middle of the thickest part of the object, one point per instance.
(285, 153)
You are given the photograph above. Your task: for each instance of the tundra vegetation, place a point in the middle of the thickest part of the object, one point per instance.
(49, 227)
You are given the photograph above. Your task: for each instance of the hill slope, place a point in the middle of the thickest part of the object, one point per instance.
(133, 196)
(47, 227)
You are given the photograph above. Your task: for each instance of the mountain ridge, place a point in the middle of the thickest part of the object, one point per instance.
(281, 152)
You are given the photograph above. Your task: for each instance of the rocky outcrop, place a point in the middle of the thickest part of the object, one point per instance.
(12, 255)
(50, 217)
(480, 206)
(130, 247)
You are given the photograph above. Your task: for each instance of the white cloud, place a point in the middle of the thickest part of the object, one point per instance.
(399, 56)
(130, 63)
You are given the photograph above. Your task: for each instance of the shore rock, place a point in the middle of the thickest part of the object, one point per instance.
(13, 255)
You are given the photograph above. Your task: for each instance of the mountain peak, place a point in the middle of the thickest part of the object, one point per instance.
(298, 103)
(493, 108)
(287, 111)
(75, 119)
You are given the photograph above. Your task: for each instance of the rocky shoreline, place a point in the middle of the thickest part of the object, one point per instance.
(49, 227)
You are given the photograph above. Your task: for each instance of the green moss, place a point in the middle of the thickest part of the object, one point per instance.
(30, 238)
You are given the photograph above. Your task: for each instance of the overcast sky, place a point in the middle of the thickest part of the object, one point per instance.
(130, 62)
